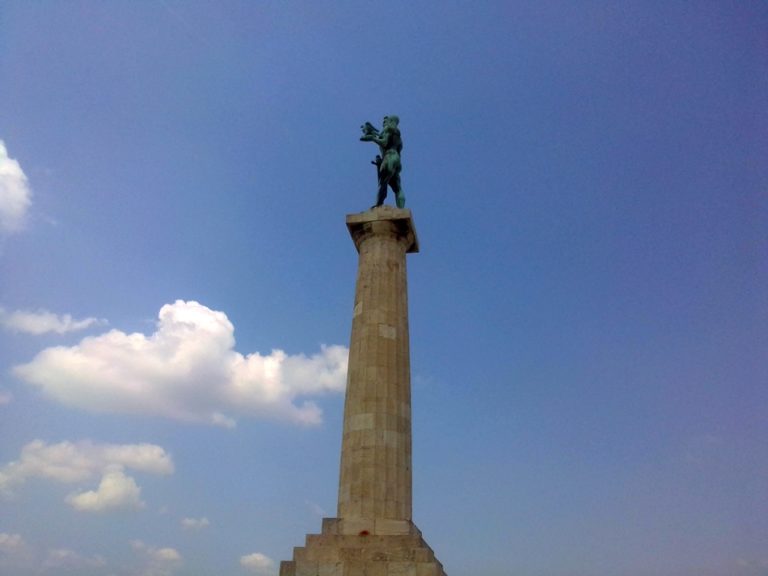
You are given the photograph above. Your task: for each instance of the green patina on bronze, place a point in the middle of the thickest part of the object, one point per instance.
(388, 161)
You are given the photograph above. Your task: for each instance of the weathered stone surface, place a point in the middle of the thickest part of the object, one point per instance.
(374, 534)
(375, 480)
(337, 554)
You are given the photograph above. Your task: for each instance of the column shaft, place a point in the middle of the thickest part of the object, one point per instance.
(375, 479)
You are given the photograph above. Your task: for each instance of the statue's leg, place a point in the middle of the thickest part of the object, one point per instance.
(398, 190)
(382, 189)
(382, 194)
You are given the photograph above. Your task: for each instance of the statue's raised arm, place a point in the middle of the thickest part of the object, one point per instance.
(388, 162)
(369, 131)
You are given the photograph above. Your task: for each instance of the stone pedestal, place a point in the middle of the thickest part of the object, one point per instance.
(338, 552)
(374, 534)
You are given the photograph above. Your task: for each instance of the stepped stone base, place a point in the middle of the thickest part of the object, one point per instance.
(363, 547)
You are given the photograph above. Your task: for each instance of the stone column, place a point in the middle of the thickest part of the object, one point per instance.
(374, 534)
(375, 479)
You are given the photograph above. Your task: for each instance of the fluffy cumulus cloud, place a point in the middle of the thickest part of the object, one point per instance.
(73, 463)
(194, 523)
(258, 563)
(186, 370)
(116, 490)
(59, 559)
(157, 561)
(17, 557)
(10, 543)
(15, 195)
(43, 321)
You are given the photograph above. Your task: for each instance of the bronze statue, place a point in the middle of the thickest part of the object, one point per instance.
(388, 162)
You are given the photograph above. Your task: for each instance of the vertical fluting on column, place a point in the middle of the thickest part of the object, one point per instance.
(375, 478)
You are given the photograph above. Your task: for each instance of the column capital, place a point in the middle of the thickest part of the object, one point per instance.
(371, 222)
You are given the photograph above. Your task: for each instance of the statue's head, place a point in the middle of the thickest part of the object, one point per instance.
(391, 120)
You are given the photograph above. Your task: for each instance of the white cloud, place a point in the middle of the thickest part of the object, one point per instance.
(258, 563)
(195, 523)
(157, 561)
(43, 321)
(186, 370)
(316, 509)
(64, 558)
(219, 419)
(116, 490)
(70, 463)
(15, 194)
(16, 557)
(10, 543)
(167, 555)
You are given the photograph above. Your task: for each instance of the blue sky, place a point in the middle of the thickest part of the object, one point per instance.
(589, 320)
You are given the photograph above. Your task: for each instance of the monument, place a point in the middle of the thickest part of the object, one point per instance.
(388, 161)
(373, 533)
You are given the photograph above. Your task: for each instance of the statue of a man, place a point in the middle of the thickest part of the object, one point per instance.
(388, 161)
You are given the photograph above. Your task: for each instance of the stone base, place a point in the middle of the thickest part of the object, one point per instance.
(364, 548)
